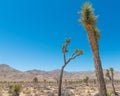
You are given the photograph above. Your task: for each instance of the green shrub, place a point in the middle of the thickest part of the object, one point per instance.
(15, 90)
(109, 93)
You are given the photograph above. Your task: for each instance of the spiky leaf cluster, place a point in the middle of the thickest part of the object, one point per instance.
(78, 52)
(75, 54)
(109, 73)
(64, 47)
(67, 40)
(15, 87)
(87, 14)
(112, 72)
(111, 69)
(88, 18)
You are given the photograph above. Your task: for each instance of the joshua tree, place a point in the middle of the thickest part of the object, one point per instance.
(88, 19)
(75, 54)
(56, 80)
(86, 80)
(65, 81)
(35, 80)
(45, 83)
(110, 75)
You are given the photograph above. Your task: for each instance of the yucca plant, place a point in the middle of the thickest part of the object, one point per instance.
(110, 75)
(75, 54)
(89, 20)
(15, 89)
(35, 80)
(109, 93)
(86, 80)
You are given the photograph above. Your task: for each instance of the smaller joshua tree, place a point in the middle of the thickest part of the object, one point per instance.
(75, 54)
(86, 80)
(45, 83)
(35, 80)
(110, 75)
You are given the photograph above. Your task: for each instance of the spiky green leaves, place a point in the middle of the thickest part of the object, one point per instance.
(75, 54)
(97, 33)
(15, 88)
(88, 18)
(78, 52)
(87, 14)
(111, 69)
(67, 40)
(64, 47)
(109, 73)
(112, 72)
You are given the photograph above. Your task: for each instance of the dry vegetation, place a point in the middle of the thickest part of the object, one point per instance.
(50, 88)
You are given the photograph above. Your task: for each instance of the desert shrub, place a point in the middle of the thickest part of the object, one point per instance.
(35, 80)
(85, 80)
(109, 93)
(14, 90)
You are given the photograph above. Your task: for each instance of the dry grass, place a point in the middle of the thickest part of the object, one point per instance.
(72, 88)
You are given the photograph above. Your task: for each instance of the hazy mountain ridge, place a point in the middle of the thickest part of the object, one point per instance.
(10, 74)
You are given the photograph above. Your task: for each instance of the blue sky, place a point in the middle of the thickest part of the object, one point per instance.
(33, 31)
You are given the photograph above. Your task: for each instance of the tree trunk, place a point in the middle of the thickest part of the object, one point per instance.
(60, 81)
(16, 93)
(98, 68)
(100, 77)
(113, 88)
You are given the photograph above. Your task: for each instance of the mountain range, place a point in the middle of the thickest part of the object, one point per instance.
(8, 73)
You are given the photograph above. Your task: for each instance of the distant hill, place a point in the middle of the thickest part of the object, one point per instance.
(10, 74)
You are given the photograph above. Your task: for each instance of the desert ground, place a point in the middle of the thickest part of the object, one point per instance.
(50, 88)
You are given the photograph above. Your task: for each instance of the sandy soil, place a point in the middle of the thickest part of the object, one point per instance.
(51, 89)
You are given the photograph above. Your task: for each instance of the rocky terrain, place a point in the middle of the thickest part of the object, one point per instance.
(69, 88)
(47, 84)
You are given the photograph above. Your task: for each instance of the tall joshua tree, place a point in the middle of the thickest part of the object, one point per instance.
(110, 75)
(88, 19)
(75, 54)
